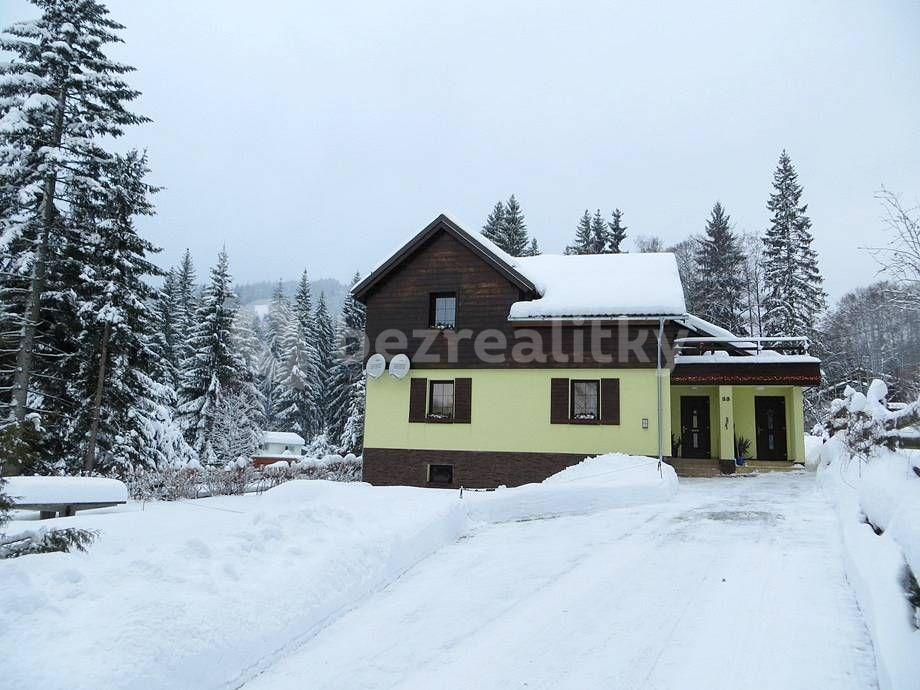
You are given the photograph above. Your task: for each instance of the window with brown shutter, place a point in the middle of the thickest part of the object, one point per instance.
(559, 401)
(418, 399)
(610, 401)
(463, 401)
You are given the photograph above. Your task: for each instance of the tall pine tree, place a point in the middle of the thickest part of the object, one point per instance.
(347, 369)
(507, 228)
(215, 366)
(60, 96)
(583, 238)
(617, 233)
(720, 287)
(324, 330)
(495, 224)
(794, 294)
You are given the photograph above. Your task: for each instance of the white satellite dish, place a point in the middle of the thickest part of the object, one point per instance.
(376, 364)
(399, 366)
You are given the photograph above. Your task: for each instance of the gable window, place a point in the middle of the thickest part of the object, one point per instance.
(440, 474)
(585, 400)
(441, 405)
(442, 310)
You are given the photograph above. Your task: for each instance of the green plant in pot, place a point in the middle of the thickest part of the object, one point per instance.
(742, 449)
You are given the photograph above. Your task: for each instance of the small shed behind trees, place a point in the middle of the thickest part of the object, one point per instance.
(278, 445)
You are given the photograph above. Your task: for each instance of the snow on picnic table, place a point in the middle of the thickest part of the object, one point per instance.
(65, 490)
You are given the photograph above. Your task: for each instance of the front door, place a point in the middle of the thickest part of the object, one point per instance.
(694, 427)
(770, 419)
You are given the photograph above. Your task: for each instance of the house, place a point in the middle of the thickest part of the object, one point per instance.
(278, 445)
(521, 366)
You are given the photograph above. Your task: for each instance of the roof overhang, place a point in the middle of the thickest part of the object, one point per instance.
(442, 224)
(753, 374)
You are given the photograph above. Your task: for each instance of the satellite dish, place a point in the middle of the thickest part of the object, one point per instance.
(376, 365)
(399, 366)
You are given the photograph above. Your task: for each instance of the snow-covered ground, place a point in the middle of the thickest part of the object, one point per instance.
(738, 583)
(208, 593)
(883, 491)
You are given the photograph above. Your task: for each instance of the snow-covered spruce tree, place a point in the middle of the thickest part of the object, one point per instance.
(600, 236)
(185, 304)
(617, 233)
(297, 404)
(279, 313)
(215, 367)
(514, 229)
(352, 440)
(506, 227)
(164, 309)
(122, 386)
(348, 367)
(495, 223)
(583, 236)
(685, 253)
(794, 296)
(236, 429)
(324, 329)
(59, 97)
(295, 384)
(720, 263)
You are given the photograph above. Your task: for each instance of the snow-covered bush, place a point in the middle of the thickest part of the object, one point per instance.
(237, 477)
(865, 421)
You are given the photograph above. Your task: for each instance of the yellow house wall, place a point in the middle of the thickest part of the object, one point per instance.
(511, 412)
(742, 413)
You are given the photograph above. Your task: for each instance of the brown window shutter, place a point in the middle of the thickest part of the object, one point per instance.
(463, 401)
(610, 401)
(559, 401)
(418, 399)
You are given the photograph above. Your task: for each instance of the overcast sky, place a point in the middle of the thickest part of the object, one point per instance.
(319, 135)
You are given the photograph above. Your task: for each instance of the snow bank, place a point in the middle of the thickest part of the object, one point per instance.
(198, 594)
(57, 490)
(600, 483)
(885, 491)
(208, 593)
(813, 446)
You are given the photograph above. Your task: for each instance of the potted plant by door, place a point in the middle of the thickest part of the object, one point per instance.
(742, 450)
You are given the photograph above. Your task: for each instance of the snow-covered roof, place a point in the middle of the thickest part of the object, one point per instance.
(601, 285)
(287, 438)
(568, 286)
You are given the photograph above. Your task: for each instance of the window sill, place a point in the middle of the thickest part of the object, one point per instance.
(439, 420)
(585, 421)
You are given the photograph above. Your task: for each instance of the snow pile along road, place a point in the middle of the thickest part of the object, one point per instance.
(208, 593)
(878, 503)
(604, 482)
(201, 594)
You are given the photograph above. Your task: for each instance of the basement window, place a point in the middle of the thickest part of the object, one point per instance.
(441, 474)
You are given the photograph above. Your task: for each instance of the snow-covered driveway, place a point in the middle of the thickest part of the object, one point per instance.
(736, 584)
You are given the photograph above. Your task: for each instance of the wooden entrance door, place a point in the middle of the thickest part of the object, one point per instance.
(770, 420)
(694, 427)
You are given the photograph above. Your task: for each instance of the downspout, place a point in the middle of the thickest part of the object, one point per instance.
(658, 390)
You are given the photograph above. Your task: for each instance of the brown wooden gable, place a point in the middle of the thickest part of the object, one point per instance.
(443, 224)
